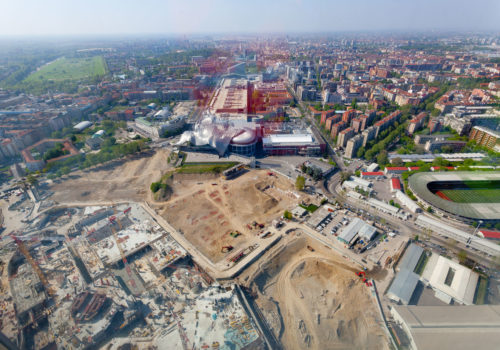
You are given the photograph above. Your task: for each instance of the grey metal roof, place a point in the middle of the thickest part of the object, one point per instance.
(487, 211)
(357, 226)
(452, 327)
(351, 230)
(411, 257)
(404, 285)
(367, 232)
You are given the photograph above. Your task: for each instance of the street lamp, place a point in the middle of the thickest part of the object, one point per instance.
(477, 227)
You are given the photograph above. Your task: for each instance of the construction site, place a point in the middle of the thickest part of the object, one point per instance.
(228, 215)
(97, 262)
(83, 277)
(313, 298)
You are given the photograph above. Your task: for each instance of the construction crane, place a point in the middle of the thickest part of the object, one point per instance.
(182, 333)
(35, 238)
(113, 219)
(122, 254)
(25, 251)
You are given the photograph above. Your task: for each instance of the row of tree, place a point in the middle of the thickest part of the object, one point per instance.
(314, 172)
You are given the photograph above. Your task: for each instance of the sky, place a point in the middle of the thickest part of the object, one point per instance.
(115, 17)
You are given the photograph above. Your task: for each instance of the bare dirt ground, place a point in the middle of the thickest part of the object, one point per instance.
(205, 207)
(314, 300)
(120, 180)
(207, 210)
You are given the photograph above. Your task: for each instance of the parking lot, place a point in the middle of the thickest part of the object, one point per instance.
(381, 250)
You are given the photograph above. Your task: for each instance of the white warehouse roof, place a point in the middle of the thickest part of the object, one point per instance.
(408, 202)
(361, 182)
(455, 280)
(297, 139)
(382, 206)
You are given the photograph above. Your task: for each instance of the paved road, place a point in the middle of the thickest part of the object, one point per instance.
(329, 147)
(408, 227)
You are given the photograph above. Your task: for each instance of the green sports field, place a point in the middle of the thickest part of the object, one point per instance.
(473, 195)
(70, 69)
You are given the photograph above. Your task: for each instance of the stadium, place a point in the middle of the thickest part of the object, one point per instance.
(466, 196)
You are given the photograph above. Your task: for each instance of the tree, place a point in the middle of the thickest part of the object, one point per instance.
(300, 183)
(155, 186)
(287, 215)
(65, 170)
(317, 174)
(345, 175)
(398, 162)
(31, 179)
(429, 209)
(354, 103)
(462, 256)
(446, 149)
(451, 243)
(382, 158)
(361, 152)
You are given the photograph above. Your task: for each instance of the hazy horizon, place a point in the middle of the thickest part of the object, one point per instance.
(198, 17)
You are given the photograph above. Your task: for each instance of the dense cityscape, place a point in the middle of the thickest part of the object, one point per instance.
(250, 191)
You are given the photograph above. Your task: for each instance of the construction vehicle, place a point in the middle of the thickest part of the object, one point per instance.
(237, 257)
(235, 234)
(264, 235)
(310, 248)
(226, 249)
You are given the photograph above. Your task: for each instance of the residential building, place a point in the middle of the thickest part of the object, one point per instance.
(344, 136)
(486, 137)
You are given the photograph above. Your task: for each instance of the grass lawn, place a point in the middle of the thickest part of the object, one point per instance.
(70, 69)
(419, 268)
(482, 195)
(202, 168)
(481, 290)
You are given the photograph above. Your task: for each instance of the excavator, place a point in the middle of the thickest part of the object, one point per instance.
(226, 249)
